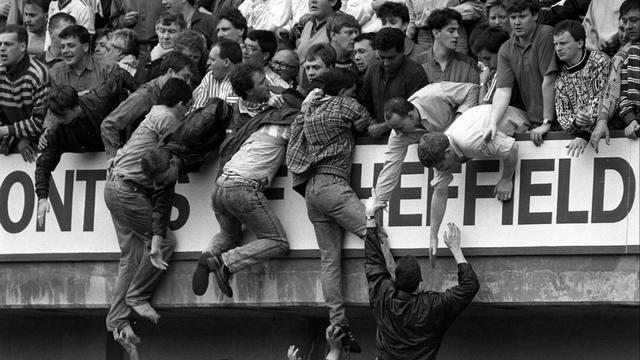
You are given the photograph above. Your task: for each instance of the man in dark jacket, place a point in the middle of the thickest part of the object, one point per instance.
(411, 325)
(76, 128)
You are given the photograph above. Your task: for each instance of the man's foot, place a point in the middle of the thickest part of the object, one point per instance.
(349, 341)
(221, 274)
(200, 280)
(146, 311)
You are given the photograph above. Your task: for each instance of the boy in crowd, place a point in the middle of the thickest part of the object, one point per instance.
(342, 30)
(396, 15)
(364, 53)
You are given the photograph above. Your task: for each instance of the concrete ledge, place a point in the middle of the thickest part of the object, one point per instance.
(295, 283)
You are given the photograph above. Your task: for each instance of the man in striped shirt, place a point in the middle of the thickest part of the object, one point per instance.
(222, 59)
(24, 89)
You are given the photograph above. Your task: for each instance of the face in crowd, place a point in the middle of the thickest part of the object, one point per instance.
(226, 30)
(321, 9)
(73, 51)
(167, 35)
(102, 46)
(523, 23)
(345, 38)
(499, 18)
(447, 37)
(285, 64)
(219, 67)
(567, 48)
(391, 60)
(11, 50)
(364, 54)
(630, 23)
(314, 68)
(34, 18)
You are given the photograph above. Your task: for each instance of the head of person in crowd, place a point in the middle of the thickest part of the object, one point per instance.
(168, 26)
(434, 151)
(320, 10)
(13, 45)
(101, 43)
(569, 38)
(338, 82)
(191, 43)
(160, 165)
(57, 23)
(232, 25)
(320, 58)
(64, 104)
(393, 15)
(223, 57)
(497, 14)
(389, 45)
(364, 53)
(523, 16)
(400, 115)
(249, 82)
(123, 42)
(630, 19)
(260, 46)
(342, 30)
(408, 275)
(178, 65)
(286, 64)
(444, 24)
(75, 43)
(486, 43)
(34, 16)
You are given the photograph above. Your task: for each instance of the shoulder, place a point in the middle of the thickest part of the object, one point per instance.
(544, 32)
(599, 58)
(465, 59)
(38, 71)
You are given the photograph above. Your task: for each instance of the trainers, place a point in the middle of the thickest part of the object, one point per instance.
(349, 341)
(221, 274)
(200, 280)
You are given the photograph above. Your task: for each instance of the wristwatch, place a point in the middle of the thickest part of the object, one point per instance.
(546, 121)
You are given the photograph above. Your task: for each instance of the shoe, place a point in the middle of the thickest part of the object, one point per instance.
(200, 280)
(349, 341)
(146, 311)
(221, 273)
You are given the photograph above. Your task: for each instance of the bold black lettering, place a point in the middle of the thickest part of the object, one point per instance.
(473, 191)
(528, 190)
(356, 179)
(564, 215)
(622, 167)
(182, 205)
(276, 193)
(400, 193)
(62, 209)
(91, 177)
(23, 179)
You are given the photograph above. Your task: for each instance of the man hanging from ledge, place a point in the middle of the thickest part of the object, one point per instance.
(411, 324)
(140, 209)
(461, 142)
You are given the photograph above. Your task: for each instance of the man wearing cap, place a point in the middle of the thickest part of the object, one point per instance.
(410, 324)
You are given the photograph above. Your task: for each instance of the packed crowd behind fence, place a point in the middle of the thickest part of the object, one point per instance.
(162, 86)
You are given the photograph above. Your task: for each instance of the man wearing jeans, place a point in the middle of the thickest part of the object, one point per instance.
(140, 209)
(319, 156)
(239, 199)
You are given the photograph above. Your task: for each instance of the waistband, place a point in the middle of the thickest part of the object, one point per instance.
(132, 185)
(239, 179)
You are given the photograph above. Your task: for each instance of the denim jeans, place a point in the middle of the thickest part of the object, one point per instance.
(137, 279)
(333, 207)
(240, 201)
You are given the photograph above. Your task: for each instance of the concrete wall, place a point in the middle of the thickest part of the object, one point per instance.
(550, 333)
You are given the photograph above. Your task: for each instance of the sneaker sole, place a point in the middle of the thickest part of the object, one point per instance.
(200, 280)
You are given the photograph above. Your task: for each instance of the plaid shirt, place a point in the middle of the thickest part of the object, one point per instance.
(321, 138)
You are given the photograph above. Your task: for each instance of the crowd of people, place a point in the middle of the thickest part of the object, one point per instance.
(162, 86)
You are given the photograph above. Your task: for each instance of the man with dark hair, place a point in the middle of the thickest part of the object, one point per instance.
(342, 30)
(527, 61)
(320, 59)
(442, 61)
(260, 46)
(315, 30)
(396, 15)
(579, 86)
(56, 24)
(35, 21)
(198, 21)
(231, 25)
(22, 116)
(223, 57)
(140, 209)
(78, 67)
(168, 26)
(363, 52)
(319, 156)
(394, 75)
(486, 42)
(76, 128)
(249, 159)
(411, 324)
(128, 114)
(608, 112)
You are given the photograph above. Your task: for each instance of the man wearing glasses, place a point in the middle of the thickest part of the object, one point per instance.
(283, 69)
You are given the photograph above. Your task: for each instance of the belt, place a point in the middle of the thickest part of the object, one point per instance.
(239, 179)
(132, 185)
